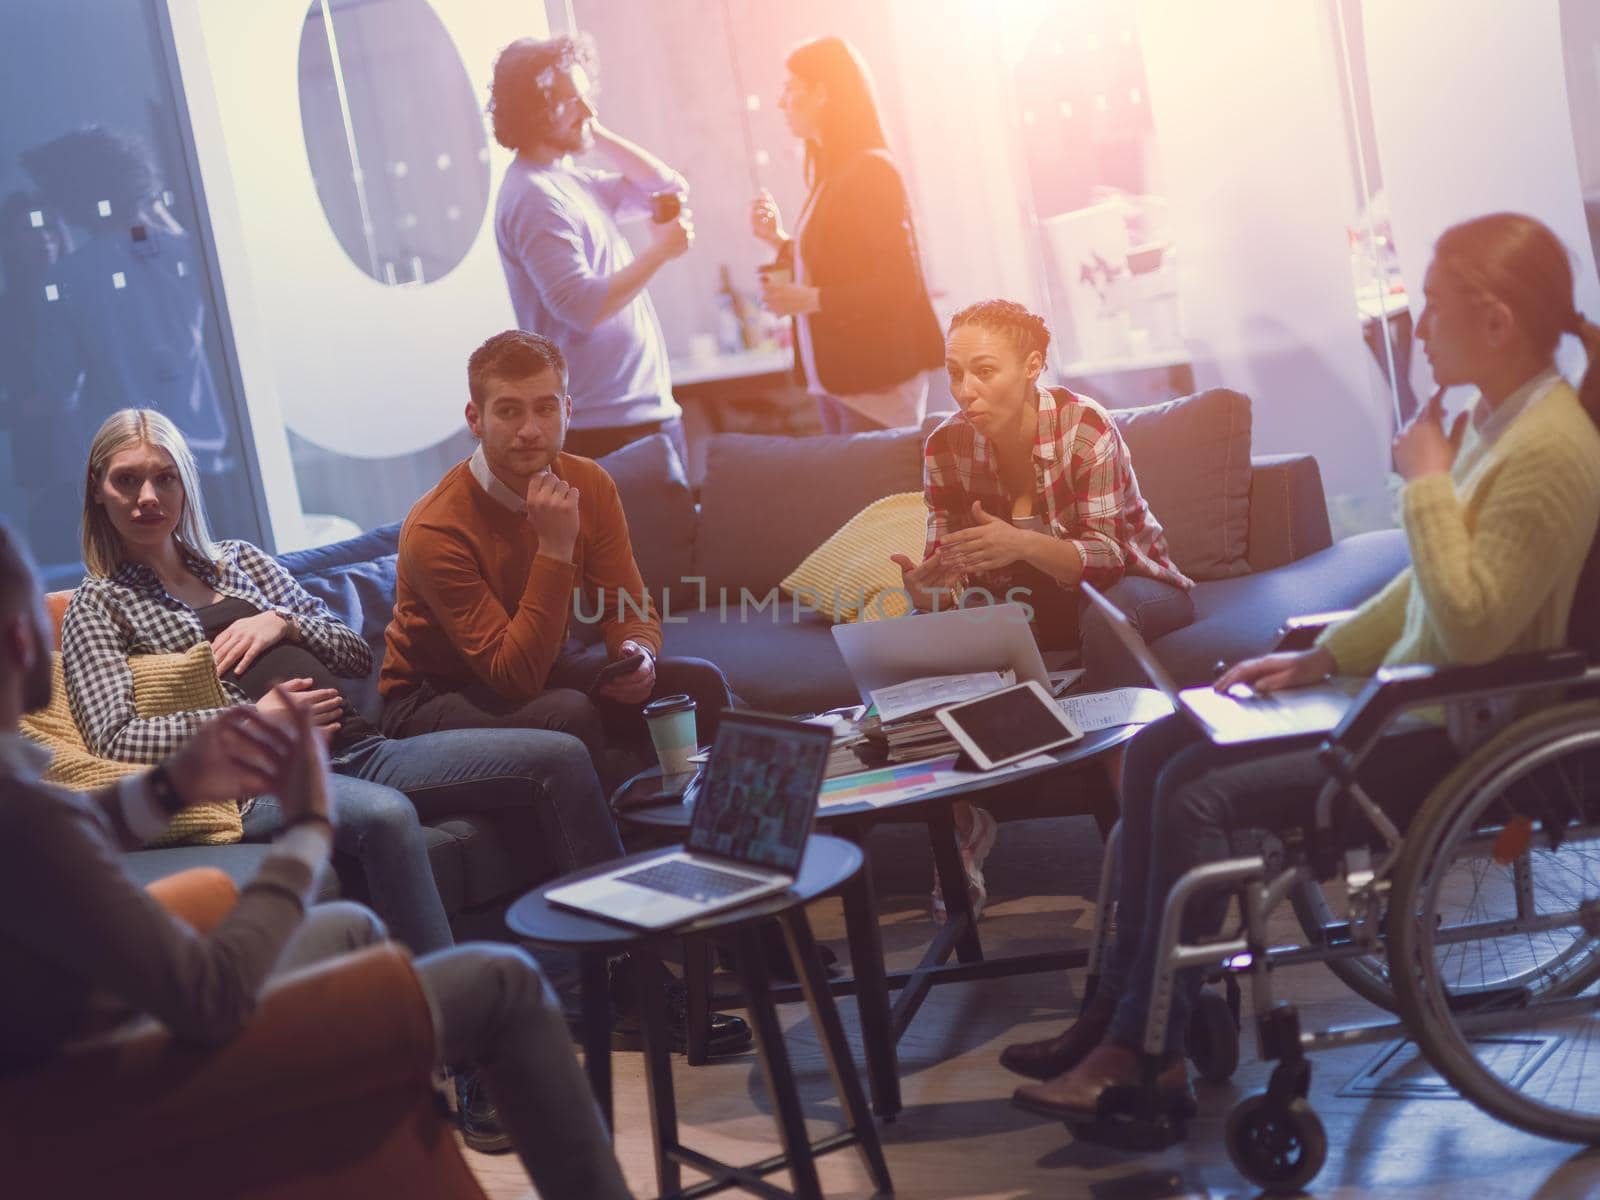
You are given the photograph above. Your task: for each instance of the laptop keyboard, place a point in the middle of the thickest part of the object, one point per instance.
(689, 880)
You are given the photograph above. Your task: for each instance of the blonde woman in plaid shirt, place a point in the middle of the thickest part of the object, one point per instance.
(159, 584)
(1029, 491)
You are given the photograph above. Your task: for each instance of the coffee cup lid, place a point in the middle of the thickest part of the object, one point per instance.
(669, 704)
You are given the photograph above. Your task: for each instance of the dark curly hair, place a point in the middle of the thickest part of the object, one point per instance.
(519, 93)
(1026, 330)
(84, 166)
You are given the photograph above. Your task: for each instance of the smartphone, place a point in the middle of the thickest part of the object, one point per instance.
(615, 670)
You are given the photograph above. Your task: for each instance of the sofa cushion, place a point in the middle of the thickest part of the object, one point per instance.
(361, 594)
(782, 666)
(767, 502)
(365, 547)
(238, 862)
(1192, 456)
(1236, 618)
(659, 503)
(852, 576)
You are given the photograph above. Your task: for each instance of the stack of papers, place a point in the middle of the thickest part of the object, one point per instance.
(906, 727)
(1119, 706)
(935, 691)
(843, 758)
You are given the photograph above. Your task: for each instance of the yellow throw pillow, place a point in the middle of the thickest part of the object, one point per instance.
(162, 684)
(850, 576)
(71, 764)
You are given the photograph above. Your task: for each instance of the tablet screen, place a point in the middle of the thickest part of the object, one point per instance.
(1012, 724)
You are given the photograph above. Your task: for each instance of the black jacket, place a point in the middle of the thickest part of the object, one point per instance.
(876, 327)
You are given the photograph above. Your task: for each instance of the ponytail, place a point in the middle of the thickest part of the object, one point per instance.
(1587, 332)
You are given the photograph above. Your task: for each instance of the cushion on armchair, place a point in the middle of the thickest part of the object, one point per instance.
(1192, 456)
(162, 684)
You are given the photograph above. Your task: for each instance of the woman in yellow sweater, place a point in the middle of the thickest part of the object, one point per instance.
(1499, 513)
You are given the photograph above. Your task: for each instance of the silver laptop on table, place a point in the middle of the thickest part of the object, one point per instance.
(960, 641)
(1245, 716)
(752, 813)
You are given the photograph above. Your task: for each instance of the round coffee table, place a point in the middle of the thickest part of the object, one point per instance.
(830, 865)
(1077, 783)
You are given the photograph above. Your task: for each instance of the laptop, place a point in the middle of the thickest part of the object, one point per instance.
(752, 813)
(960, 641)
(1242, 716)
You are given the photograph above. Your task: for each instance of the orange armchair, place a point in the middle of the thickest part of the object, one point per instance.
(325, 1094)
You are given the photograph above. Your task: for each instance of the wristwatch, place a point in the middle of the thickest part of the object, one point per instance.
(163, 792)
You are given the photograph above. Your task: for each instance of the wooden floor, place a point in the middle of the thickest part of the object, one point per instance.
(960, 1137)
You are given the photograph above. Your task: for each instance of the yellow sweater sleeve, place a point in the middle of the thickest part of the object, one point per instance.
(1481, 584)
(1359, 642)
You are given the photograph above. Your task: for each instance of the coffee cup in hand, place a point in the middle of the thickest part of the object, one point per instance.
(665, 206)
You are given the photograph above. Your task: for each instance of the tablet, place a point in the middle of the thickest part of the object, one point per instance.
(1011, 724)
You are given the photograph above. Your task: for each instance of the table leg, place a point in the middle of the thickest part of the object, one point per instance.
(953, 881)
(775, 1065)
(872, 993)
(595, 991)
(835, 1049)
(651, 982)
(697, 958)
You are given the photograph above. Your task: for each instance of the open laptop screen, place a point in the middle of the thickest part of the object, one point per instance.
(759, 792)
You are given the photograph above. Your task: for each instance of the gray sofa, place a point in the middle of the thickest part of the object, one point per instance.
(1253, 531)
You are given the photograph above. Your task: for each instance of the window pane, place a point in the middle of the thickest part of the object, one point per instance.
(105, 301)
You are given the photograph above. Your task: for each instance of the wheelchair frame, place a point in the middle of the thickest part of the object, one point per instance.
(1277, 1131)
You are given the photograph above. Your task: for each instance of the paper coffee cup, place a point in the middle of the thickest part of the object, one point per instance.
(671, 724)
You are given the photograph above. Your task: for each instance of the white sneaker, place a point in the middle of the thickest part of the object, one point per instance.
(975, 848)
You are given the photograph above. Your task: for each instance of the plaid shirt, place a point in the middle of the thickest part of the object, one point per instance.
(1084, 490)
(130, 613)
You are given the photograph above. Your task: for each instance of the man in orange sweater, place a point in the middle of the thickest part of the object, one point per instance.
(493, 562)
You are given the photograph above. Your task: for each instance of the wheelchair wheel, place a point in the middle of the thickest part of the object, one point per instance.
(1278, 1146)
(1502, 927)
(1213, 1037)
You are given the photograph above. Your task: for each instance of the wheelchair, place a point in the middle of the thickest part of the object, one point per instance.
(1478, 929)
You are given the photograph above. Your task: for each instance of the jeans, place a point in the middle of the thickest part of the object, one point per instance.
(1177, 781)
(493, 1013)
(614, 734)
(383, 789)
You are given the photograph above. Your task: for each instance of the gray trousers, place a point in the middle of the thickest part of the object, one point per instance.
(493, 1013)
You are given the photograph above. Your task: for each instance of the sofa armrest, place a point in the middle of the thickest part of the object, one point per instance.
(1288, 511)
(334, 1056)
(200, 896)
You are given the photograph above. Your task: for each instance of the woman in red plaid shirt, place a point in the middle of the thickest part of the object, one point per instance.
(1029, 490)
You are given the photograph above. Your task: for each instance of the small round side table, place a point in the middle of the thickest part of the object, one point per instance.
(829, 865)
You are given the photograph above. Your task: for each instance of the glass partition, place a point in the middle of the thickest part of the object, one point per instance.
(105, 293)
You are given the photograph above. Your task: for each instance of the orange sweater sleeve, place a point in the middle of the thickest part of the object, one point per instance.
(510, 651)
(626, 610)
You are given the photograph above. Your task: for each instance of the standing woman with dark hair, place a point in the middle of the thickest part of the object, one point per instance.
(850, 275)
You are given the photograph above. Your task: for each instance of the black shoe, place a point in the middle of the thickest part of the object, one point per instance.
(728, 1035)
(479, 1121)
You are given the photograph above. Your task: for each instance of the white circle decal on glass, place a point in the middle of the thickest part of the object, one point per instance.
(383, 95)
